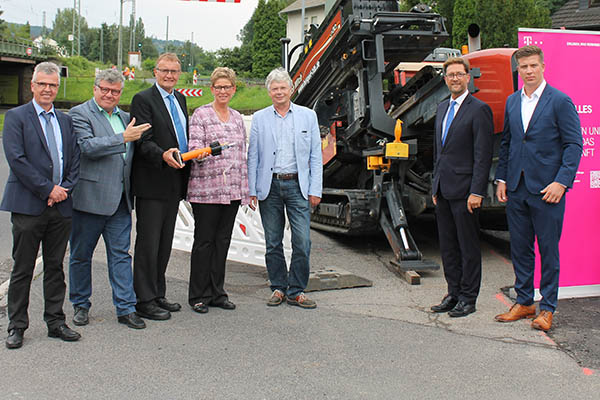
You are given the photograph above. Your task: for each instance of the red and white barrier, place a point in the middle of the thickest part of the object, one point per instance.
(190, 92)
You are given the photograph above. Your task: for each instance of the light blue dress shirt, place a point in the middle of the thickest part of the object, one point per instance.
(165, 97)
(285, 157)
(57, 132)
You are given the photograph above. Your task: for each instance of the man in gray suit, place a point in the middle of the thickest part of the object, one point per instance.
(102, 200)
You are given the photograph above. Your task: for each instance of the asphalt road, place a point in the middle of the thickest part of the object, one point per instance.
(379, 342)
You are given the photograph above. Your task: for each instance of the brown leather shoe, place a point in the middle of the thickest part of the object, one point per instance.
(517, 312)
(543, 322)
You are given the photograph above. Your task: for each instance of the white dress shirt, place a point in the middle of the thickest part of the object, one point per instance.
(528, 104)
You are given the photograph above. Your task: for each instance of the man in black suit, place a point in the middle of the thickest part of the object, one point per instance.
(159, 183)
(462, 159)
(43, 157)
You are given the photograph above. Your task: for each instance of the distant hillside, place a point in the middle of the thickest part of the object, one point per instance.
(160, 44)
(34, 31)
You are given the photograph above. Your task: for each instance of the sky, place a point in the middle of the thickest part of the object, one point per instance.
(214, 25)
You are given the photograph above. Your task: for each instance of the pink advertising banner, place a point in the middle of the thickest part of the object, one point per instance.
(571, 59)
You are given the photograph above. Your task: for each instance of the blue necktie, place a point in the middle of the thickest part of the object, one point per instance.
(183, 147)
(448, 120)
(53, 148)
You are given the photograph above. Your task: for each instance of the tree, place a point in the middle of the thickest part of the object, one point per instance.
(498, 20)
(237, 58)
(268, 28)
(62, 27)
(3, 26)
(551, 5)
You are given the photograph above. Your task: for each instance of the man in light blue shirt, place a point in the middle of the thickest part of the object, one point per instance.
(285, 173)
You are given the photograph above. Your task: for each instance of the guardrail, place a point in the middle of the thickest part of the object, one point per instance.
(19, 48)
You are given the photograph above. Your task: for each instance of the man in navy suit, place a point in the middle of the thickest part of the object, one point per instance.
(159, 184)
(44, 166)
(539, 155)
(102, 200)
(462, 159)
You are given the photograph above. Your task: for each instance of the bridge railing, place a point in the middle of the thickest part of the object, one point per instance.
(18, 47)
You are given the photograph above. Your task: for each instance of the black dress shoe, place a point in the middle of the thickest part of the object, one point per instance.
(165, 305)
(200, 308)
(15, 338)
(80, 317)
(132, 320)
(462, 309)
(225, 305)
(152, 311)
(446, 305)
(65, 333)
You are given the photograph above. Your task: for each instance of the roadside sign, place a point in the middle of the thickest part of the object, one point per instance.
(190, 92)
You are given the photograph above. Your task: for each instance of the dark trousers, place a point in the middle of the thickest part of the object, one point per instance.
(212, 236)
(459, 246)
(528, 217)
(52, 230)
(155, 225)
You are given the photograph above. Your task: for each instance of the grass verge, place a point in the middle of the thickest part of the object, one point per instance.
(246, 99)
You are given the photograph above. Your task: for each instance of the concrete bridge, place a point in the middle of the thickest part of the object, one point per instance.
(17, 60)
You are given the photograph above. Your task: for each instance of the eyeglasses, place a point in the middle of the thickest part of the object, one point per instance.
(44, 85)
(105, 90)
(168, 71)
(458, 75)
(225, 88)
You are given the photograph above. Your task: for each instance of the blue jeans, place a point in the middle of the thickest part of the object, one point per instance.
(116, 231)
(286, 194)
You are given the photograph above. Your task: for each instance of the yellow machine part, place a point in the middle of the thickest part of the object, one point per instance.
(378, 163)
(397, 149)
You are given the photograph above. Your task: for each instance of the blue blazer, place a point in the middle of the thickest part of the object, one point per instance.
(105, 161)
(549, 151)
(30, 180)
(462, 165)
(261, 152)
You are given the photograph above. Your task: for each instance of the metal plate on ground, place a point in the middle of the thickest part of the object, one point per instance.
(334, 278)
(416, 265)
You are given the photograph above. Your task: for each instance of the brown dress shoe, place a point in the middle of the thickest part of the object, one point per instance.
(543, 322)
(517, 312)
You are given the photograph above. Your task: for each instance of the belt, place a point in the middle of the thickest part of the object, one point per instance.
(285, 177)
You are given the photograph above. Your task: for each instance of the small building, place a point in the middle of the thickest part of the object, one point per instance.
(314, 13)
(579, 15)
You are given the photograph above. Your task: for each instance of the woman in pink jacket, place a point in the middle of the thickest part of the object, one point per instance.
(218, 186)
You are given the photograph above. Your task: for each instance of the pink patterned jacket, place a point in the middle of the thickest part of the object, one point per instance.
(223, 178)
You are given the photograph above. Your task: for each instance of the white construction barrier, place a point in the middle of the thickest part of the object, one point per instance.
(247, 239)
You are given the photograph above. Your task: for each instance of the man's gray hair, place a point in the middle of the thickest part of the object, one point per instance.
(47, 68)
(111, 76)
(278, 75)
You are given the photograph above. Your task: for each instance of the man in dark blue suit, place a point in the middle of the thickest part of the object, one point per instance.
(539, 155)
(43, 157)
(462, 159)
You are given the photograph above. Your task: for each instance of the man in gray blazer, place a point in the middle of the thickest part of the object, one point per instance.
(102, 200)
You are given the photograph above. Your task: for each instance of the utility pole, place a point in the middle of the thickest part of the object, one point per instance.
(192, 54)
(167, 44)
(120, 46)
(132, 41)
(76, 27)
(101, 44)
(44, 23)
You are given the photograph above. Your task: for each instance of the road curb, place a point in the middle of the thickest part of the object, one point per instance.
(4, 286)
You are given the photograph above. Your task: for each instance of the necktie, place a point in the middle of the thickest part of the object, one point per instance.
(183, 147)
(448, 120)
(53, 148)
